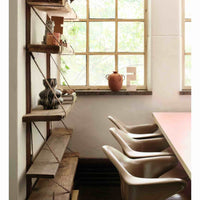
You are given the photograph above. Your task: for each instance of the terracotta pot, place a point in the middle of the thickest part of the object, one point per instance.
(57, 36)
(115, 81)
(49, 39)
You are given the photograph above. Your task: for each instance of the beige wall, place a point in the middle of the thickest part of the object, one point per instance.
(89, 116)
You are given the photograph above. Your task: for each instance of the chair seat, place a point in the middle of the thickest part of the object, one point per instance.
(179, 172)
(180, 196)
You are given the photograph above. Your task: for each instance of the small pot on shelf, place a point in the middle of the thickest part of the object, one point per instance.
(115, 81)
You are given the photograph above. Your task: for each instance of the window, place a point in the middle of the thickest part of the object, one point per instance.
(186, 44)
(110, 35)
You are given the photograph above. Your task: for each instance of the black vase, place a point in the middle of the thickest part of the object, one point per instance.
(47, 98)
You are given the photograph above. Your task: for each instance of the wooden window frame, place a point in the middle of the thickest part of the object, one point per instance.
(184, 20)
(115, 53)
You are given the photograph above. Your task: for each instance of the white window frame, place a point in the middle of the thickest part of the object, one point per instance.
(115, 53)
(184, 20)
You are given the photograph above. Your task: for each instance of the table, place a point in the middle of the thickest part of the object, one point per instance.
(176, 128)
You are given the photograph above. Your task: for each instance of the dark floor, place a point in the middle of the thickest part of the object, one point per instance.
(95, 192)
(99, 180)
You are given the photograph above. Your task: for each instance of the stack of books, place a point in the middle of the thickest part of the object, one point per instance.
(69, 98)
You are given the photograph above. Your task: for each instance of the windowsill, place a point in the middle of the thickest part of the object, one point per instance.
(109, 92)
(185, 92)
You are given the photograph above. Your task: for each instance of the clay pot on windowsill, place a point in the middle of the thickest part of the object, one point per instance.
(115, 81)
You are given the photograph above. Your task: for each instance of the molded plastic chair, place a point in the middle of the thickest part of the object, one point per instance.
(140, 177)
(137, 131)
(134, 148)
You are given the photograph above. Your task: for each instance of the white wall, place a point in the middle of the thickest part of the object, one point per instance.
(89, 116)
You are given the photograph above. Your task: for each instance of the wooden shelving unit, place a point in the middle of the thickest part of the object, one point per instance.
(53, 168)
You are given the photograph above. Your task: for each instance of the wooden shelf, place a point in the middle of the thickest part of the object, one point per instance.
(61, 9)
(52, 3)
(54, 49)
(45, 165)
(38, 114)
(42, 48)
(45, 188)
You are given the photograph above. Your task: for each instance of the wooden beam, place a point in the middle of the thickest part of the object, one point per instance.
(75, 194)
(28, 99)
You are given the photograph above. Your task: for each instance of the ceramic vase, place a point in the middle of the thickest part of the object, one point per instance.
(47, 98)
(115, 81)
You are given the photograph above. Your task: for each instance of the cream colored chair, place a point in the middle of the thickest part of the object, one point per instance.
(137, 131)
(140, 177)
(134, 148)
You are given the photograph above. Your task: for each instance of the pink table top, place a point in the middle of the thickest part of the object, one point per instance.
(176, 128)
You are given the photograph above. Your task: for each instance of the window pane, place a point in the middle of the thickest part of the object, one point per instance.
(102, 36)
(131, 37)
(75, 34)
(187, 8)
(80, 8)
(99, 67)
(74, 69)
(131, 9)
(102, 9)
(188, 37)
(188, 67)
(132, 61)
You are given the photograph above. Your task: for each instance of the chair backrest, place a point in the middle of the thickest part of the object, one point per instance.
(119, 124)
(119, 160)
(125, 141)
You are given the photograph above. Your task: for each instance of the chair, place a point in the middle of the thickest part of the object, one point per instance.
(140, 177)
(137, 131)
(134, 148)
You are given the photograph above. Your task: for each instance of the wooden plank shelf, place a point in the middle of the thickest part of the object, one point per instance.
(52, 3)
(45, 165)
(54, 49)
(46, 189)
(39, 114)
(55, 8)
(42, 48)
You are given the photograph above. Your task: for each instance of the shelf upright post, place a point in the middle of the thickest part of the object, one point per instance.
(48, 75)
(28, 99)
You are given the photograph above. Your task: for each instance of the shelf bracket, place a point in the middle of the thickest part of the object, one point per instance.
(51, 150)
(60, 185)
